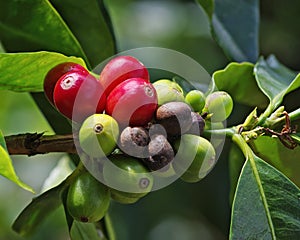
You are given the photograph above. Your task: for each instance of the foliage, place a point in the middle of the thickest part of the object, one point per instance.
(265, 192)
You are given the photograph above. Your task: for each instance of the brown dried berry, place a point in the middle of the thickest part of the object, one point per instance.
(175, 117)
(160, 153)
(198, 124)
(133, 141)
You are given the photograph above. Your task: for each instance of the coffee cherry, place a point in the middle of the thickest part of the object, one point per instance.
(55, 73)
(124, 172)
(79, 89)
(132, 102)
(220, 104)
(175, 117)
(133, 141)
(160, 153)
(199, 151)
(196, 99)
(198, 124)
(121, 68)
(98, 135)
(87, 200)
(168, 91)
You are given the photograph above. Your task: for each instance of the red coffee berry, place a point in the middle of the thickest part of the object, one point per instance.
(78, 95)
(119, 69)
(55, 73)
(132, 102)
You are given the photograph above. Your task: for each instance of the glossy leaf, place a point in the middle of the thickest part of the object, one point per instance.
(89, 22)
(7, 169)
(86, 231)
(235, 28)
(35, 25)
(238, 80)
(23, 72)
(266, 204)
(275, 80)
(284, 159)
(40, 207)
(208, 6)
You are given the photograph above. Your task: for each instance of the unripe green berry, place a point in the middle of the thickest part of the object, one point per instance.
(168, 91)
(98, 135)
(196, 99)
(198, 150)
(219, 104)
(87, 200)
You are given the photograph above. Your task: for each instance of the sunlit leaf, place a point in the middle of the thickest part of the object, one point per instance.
(24, 72)
(6, 166)
(235, 27)
(35, 25)
(266, 204)
(90, 23)
(40, 207)
(275, 80)
(284, 159)
(238, 80)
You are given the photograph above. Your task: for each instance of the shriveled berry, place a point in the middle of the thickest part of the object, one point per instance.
(87, 200)
(195, 157)
(133, 102)
(168, 91)
(55, 73)
(198, 124)
(196, 99)
(133, 141)
(160, 153)
(219, 104)
(120, 69)
(77, 95)
(98, 135)
(127, 177)
(175, 117)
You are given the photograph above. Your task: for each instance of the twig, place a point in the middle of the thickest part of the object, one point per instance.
(37, 143)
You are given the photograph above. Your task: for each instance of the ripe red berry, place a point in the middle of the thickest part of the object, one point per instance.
(55, 73)
(78, 95)
(132, 102)
(119, 69)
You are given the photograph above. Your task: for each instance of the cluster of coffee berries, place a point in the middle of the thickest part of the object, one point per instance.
(134, 127)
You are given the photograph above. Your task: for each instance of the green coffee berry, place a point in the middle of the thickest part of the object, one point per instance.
(127, 177)
(98, 135)
(196, 99)
(219, 104)
(199, 152)
(168, 91)
(87, 200)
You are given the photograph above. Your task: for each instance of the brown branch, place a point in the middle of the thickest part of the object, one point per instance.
(37, 143)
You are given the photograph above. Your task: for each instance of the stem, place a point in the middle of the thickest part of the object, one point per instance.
(295, 115)
(262, 118)
(36, 143)
(228, 132)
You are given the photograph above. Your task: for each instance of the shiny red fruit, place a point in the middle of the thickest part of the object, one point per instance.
(55, 73)
(133, 102)
(121, 68)
(78, 95)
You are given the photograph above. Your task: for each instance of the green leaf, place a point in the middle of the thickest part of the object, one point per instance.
(90, 23)
(7, 169)
(235, 26)
(266, 203)
(23, 72)
(238, 80)
(275, 80)
(2, 141)
(40, 207)
(35, 25)
(86, 231)
(208, 6)
(282, 158)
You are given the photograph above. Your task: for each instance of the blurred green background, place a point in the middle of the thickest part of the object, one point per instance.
(180, 211)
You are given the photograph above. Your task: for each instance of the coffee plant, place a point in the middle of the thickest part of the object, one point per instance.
(129, 128)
